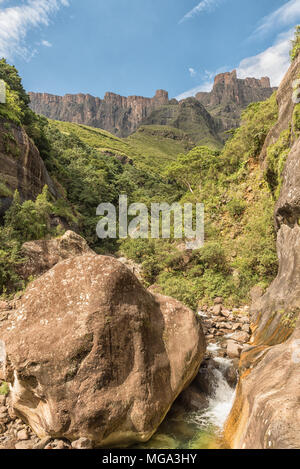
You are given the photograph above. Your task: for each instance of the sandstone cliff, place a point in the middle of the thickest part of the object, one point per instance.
(117, 114)
(231, 95)
(21, 166)
(266, 413)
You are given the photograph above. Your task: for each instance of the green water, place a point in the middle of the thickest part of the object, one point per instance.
(185, 432)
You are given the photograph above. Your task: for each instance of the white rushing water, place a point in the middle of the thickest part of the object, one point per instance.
(220, 403)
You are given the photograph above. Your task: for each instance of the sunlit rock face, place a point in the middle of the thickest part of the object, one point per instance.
(90, 353)
(266, 412)
(117, 114)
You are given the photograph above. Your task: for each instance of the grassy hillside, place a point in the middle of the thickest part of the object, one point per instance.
(151, 147)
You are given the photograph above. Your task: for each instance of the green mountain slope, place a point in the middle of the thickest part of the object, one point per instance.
(151, 147)
(191, 117)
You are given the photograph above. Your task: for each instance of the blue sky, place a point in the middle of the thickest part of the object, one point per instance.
(138, 46)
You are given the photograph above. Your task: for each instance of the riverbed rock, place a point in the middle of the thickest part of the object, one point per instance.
(233, 349)
(91, 354)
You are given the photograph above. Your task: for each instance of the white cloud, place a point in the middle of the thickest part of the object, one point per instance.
(208, 82)
(204, 6)
(192, 72)
(287, 15)
(46, 43)
(16, 21)
(206, 86)
(273, 62)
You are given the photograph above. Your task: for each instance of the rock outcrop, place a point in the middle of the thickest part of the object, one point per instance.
(231, 95)
(266, 413)
(40, 256)
(90, 353)
(21, 166)
(117, 114)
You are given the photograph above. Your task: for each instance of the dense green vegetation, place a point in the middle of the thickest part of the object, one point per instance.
(295, 44)
(190, 117)
(240, 242)
(159, 163)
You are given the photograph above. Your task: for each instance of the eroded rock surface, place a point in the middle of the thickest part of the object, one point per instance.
(266, 412)
(91, 354)
(118, 114)
(42, 255)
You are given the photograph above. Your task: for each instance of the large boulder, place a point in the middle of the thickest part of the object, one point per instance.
(40, 256)
(91, 354)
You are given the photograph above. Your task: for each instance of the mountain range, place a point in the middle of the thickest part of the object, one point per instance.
(204, 118)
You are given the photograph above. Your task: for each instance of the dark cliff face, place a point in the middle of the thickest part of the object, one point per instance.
(231, 95)
(116, 114)
(21, 166)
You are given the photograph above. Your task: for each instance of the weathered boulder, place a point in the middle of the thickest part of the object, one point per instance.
(91, 354)
(266, 412)
(42, 255)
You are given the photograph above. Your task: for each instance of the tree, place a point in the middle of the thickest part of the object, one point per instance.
(295, 44)
(192, 168)
(10, 75)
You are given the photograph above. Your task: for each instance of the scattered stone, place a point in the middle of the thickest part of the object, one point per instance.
(218, 301)
(242, 337)
(246, 328)
(24, 445)
(233, 349)
(4, 306)
(82, 443)
(23, 435)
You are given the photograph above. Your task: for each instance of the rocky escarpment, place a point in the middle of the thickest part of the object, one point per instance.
(21, 166)
(89, 353)
(231, 95)
(117, 114)
(266, 413)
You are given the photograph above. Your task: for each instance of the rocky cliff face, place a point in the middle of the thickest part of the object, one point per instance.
(21, 166)
(266, 412)
(231, 95)
(116, 114)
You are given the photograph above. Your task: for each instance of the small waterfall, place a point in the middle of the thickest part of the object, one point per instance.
(221, 401)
